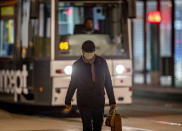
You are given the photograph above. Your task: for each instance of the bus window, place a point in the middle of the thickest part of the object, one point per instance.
(6, 38)
(39, 33)
(106, 33)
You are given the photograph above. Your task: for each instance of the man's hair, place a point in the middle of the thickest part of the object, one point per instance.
(88, 46)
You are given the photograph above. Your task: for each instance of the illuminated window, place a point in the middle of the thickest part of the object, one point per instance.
(6, 37)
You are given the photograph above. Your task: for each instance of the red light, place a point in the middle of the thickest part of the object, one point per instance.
(69, 11)
(154, 16)
(41, 89)
(130, 89)
(121, 81)
(58, 90)
(59, 71)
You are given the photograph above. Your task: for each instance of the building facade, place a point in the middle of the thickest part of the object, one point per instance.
(157, 48)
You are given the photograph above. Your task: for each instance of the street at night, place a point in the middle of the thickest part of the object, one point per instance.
(65, 65)
(142, 115)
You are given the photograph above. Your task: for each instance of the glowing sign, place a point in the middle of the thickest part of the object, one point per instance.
(63, 45)
(6, 11)
(69, 11)
(154, 16)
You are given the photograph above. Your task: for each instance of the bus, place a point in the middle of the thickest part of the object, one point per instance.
(40, 40)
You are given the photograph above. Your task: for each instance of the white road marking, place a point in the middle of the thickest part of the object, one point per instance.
(168, 123)
(134, 129)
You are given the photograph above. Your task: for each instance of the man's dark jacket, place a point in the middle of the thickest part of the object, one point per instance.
(90, 94)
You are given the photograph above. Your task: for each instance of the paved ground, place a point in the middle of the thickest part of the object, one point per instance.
(142, 115)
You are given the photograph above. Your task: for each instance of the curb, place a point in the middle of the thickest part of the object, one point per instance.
(162, 93)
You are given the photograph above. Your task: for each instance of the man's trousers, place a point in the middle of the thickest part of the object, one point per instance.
(92, 118)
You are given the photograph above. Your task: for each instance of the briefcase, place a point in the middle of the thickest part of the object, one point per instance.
(113, 120)
(117, 123)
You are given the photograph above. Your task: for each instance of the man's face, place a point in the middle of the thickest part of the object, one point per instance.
(89, 24)
(88, 55)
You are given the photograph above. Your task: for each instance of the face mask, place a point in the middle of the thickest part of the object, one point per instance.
(89, 56)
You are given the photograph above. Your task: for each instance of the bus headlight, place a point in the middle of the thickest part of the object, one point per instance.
(68, 70)
(120, 69)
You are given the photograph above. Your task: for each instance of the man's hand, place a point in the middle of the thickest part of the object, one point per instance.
(112, 106)
(68, 108)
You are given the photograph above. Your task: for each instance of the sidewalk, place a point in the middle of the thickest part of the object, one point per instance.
(158, 92)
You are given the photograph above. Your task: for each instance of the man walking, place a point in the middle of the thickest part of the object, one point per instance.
(90, 76)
